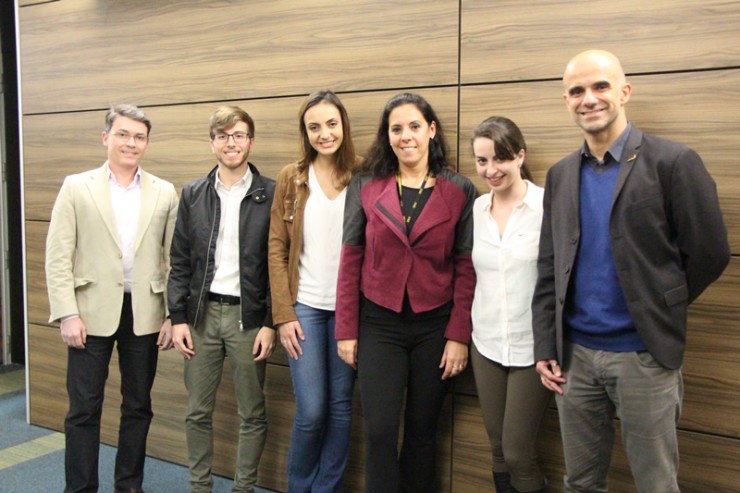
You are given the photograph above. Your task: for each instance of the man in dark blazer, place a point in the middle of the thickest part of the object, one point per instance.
(632, 233)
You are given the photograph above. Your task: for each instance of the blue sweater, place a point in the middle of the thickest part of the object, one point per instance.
(596, 314)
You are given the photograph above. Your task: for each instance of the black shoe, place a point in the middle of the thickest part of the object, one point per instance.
(502, 482)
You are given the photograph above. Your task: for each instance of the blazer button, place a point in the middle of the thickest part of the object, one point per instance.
(561, 300)
(567, 269)
(120, 255)
(573, 240)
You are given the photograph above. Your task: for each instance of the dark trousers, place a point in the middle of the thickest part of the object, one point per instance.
(87, 371)
(513, 402)
(396, 354)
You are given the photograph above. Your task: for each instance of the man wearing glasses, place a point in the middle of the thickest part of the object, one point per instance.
(219, 296)
(106, 256)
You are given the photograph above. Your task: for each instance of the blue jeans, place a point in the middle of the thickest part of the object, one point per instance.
(322, 384)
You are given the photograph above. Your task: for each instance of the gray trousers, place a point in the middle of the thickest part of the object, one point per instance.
(219, 336)
(647, 399)
(513, 403)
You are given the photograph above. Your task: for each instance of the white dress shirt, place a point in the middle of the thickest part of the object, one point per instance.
(226, 276)
(126, 203)
(318, 266)
(506, 270)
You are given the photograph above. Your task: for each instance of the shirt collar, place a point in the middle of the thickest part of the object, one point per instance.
(241, 182)
(112, 178)
(530, 199)
(615, 150)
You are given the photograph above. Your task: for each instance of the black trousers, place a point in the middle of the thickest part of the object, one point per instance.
(87, 371)
(400, 354)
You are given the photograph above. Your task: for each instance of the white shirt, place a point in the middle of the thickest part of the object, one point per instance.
(506, 270)
(318, 265)
(226, 276)
(126, 203)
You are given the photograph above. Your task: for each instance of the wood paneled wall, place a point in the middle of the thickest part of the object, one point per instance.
(471, 59)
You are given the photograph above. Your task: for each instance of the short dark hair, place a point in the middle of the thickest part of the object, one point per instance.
(345, 155)
(507, 139)
(227, 116)
(129, 111)
(382, 161)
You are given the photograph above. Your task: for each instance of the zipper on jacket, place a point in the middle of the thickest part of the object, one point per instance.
(241, 324)
(205, 273)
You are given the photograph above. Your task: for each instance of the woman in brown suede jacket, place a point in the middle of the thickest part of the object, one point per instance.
(304, 248)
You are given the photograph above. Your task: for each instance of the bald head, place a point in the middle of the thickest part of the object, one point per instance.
(591, 59)
(596, 91)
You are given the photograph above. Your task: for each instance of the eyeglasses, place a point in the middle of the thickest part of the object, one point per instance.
(239, 137)
(124, 136)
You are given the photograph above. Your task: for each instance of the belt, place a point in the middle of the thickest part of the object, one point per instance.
(224, 299)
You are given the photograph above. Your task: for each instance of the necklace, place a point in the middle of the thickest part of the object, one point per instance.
(407, 219)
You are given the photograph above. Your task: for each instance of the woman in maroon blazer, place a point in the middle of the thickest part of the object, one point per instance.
(404, 292)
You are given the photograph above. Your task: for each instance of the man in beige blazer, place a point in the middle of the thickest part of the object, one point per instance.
(107, 260)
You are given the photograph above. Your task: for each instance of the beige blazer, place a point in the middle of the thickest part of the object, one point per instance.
(84, 268)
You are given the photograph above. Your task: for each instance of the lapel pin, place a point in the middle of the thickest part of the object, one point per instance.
(632, 158)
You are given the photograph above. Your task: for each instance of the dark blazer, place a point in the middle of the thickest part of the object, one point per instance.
(667, 236)
(380, 261)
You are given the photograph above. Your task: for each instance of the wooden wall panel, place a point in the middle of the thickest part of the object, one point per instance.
(699, 109)
(512, 40)
(174, 52)
(47, 377)
(179, 149)
(711, 388)
(37, 298)
(26, 3)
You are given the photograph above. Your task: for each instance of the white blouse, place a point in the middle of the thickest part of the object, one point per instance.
(318, 266)
(506, 270)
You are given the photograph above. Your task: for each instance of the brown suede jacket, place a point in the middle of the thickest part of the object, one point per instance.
(286, 239)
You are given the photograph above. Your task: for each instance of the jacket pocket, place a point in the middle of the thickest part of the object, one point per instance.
(290, 203)
(82, 282)
(677, 295)
(653, 200)
(157, 286)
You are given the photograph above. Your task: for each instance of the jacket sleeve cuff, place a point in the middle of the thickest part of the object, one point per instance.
(178, 317)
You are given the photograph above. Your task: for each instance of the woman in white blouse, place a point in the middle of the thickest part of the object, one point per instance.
(506, 242)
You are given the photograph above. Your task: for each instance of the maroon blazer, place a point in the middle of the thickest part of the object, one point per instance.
(382, 263)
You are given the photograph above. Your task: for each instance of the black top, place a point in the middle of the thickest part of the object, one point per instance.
(409, 197)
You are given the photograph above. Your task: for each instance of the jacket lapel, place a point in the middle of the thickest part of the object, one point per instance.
(436, 211)
(100, 194)
(149, 195)
(629, 156)
(388, 208)
(572, 181)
